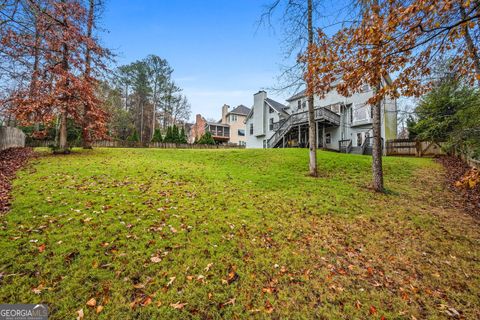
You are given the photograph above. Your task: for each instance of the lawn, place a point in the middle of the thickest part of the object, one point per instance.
(211, 234)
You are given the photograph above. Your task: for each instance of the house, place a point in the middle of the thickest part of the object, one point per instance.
(236, 120)
(229, 129)
(343, 123)
(263, 119)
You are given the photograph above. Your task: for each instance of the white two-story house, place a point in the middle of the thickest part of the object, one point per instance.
(342, 123)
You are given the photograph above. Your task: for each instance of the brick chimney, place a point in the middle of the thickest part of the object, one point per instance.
(225, 109)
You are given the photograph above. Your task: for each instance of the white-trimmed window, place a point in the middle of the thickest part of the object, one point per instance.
(361, 112)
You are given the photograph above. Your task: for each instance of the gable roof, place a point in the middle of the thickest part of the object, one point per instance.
(299, 95)
(241, 109)
(277, 106)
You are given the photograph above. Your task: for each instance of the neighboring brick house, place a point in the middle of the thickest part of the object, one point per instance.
(198, 128)
(229, 129)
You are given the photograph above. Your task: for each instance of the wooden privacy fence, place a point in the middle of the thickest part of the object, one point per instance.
(133, 144)
(405, 147)
(11, 137)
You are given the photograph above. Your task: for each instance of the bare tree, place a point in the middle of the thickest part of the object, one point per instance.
(297, 20)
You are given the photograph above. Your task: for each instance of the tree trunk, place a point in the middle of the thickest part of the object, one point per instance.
(35, 69)
(154, 108)
(377, 147)
(62, 140)
(472, 50)
(311, 109)
(87, 139)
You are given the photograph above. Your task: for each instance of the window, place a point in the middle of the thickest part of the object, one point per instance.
(270, 110)
(233, 118)
(304, 104)
(242, 143)
(335, 108)
(359, 139)
(328, 138)
(251, 128)
(299, 105)
(241, 132)
(361, 112)
(270, 127)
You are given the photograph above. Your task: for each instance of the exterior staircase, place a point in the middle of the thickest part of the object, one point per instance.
(345, 146)
(322, 114)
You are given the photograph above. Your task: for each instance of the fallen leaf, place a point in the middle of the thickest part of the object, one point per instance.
(268, 307)
(146, 301)
(92, 302)
(207, 268)
(229, 302)
(155, 259)
(171, 281)
(373, 310)
(232, 275)
(80, 314)
(38, 289)
(178, 305)
(99, 309)
(41, 248)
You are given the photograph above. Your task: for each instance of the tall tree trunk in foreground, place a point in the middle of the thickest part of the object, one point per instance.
(472, 50)
(377, 169)
(62, 140)
(87, 141)
(311, 111)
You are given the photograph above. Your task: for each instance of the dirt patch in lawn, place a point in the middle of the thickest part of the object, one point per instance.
(11, 160)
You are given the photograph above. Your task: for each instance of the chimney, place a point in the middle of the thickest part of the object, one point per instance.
(224, 113)
(198, 118)
(259, 98)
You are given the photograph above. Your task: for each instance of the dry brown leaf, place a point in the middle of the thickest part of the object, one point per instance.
(41, 248)
(92, 303)
(80, 314)
(178, 305)
(38, 289)
(99, 309)
(207, 268)
(268, 307)
(146, 301)
(155, 259)
(172, 279)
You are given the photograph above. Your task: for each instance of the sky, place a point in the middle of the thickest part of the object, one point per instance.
(219, 54)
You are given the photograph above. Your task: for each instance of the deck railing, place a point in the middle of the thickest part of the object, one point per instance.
(321, 113)
(345, 146)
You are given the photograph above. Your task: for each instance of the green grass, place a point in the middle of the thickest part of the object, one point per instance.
(302, 248)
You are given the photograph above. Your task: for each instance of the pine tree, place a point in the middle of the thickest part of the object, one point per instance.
(134, 137)
(157, 136)
(175, 134)
(206, 139)
(168, 136)
(183, 136)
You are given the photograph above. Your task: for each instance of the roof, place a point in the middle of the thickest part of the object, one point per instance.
(217, 124)
(277, 106)
(299, 95)
(241, 109)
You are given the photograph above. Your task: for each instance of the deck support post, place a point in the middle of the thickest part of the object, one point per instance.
(316, 131)
(324, 141)
(299, 135)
